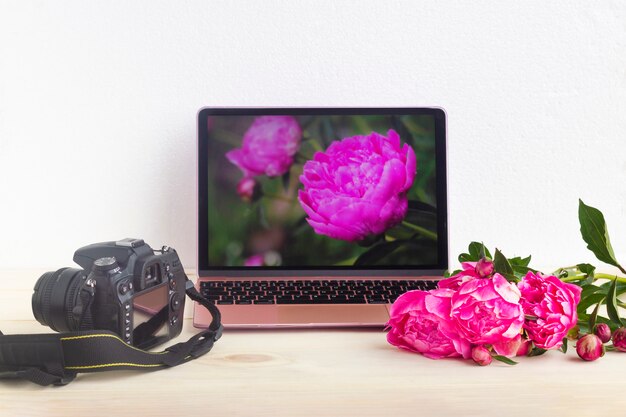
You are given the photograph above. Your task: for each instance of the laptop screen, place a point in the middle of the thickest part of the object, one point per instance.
(322, 189)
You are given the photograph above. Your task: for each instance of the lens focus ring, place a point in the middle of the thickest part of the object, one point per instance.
(51, 300)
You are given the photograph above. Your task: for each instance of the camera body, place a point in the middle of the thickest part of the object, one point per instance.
(130, 289)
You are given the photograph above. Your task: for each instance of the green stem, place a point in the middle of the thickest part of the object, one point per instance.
(424, 232)
(609, 277)
(574, 278)
(347, 262)
(316, 145)
(596, 276)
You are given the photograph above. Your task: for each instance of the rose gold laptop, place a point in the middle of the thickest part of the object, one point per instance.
(318, 217)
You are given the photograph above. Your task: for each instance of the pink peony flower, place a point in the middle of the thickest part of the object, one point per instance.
(358, 186)
(268, 146)
(481, 355)
(553, 303)
(487, 311)
(420, 322)
(589, 347)
(467, 274)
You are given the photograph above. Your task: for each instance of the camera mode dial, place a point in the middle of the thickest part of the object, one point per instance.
(105, 264)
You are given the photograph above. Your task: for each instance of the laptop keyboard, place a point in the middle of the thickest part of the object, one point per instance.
(310, 292)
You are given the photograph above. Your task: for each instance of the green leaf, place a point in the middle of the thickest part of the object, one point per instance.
(520, 266)
(519, 261)
(589, 271)
(475, 250)
(503, 267)
(371, 240)
(621, 287)
(594, 315)
(563, 347)
(595, 234)
(448, 274)
(591, 289)
(479, 250)
(583, 323)
(419, 218)
(378, 252)
(611, 304)
(504, 359)
(466, 257)
(586, 269)
(588, 301)
(417, 205)
(483, 251)
(537, 351)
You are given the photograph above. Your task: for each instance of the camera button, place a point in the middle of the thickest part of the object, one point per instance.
(127, 335)
(174, 320)
(127, 307)
(175, 303)
(124, 287)
(127, 320)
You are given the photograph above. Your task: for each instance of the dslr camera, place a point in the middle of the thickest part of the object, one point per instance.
(125, 287)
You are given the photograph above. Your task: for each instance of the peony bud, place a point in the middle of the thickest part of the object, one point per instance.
(603, 331)
(589, 347)
(246, 189)
(524, 348)
(484, 267)
(619, 339)
(481, 356)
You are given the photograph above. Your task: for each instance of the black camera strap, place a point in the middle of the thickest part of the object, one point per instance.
(56, 358)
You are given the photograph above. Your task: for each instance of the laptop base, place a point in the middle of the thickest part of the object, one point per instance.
(303, 316)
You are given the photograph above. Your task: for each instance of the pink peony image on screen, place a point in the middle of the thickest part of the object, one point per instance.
(358, 186)
(268, 146)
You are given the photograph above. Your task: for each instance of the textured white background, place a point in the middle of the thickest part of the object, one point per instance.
(98, 103)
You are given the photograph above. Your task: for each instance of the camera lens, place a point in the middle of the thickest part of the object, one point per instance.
(55, 296)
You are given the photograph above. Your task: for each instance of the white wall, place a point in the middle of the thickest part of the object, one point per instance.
(98, 103)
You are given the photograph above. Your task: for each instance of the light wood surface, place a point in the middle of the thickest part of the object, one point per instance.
(315, 373)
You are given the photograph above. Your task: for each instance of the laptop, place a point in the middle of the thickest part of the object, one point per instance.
(318, 217)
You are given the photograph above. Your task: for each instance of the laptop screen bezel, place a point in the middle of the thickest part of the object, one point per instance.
(204, 270)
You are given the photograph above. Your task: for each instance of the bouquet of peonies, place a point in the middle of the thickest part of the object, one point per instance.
(501, 308)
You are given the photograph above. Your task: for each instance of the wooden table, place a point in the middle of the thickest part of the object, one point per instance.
(315, 372)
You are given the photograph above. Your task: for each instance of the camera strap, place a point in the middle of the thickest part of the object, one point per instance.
(56, 358)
